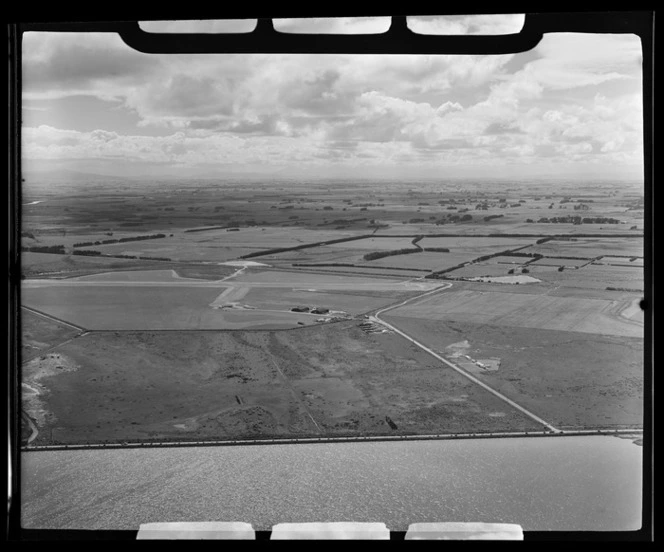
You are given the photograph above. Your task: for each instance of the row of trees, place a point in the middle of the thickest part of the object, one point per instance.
(94, 253)
(349, 265)
(406, 251)
(121, 240)
(522, 254)
(577, 220)
(381, 254)
(57, 249)
(303, 246)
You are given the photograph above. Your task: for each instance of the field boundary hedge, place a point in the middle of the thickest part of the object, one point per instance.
(350, 265)
(303, 246)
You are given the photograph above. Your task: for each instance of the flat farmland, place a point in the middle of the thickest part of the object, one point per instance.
(621, 261)
(48, 265)
(329, 380)
(593, 276)
(425, 260)
(507, 260)
(34, 264)
(279, 298)
(320, 254)
(526, 310)
(589, 247)
(570, 379)
(376, 244)
(520, 226)
(136, 276)
(373, 271)
(482, 269)
(330, 281)
(160, 300)
(69, 237)
(475, 247)
(128, 307)
(148, 307)
(268, 237)
(178, 248)
(219, 244)
(330, 254)
(559, 261)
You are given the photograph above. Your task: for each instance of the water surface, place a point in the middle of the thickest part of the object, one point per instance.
(574, 483)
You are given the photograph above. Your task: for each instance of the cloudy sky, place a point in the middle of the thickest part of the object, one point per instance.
(571, 106)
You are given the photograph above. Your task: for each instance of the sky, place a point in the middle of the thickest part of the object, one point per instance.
(572, 106)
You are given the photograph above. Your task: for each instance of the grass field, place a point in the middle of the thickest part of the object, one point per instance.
(211, 245)
(376, 244)
(377, 272)
(620, 261)
(276, 298)
(320, 254)
(482, 269)
(559, 261)
(136, 276)
(160, 300)
(571, 379)
(592, 276)
(462, 249)
(589, 247)
(149, 307)
(565, 347)
(104, 307)
(330, 281)
(340, 381)
(476, 247)
(39, 333)
(521, 310)
(47, 265)
(178, 248)
(428, 260)
(34, 264)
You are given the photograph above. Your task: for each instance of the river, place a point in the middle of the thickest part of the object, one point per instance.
(572, 483)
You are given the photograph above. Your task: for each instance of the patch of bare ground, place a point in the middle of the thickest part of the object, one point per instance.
(36, 378)
(39, 333)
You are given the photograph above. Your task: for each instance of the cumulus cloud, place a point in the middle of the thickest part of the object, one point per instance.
(573, 149)
(60, 64)
(318, 95)
(333, 25)
(569, 60)
(558, 104)
(199, 26)
(486, 24)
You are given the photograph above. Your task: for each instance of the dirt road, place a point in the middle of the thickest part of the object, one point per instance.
(376, 318)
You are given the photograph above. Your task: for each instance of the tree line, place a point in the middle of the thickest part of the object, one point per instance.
(120, 240)
(577, 220)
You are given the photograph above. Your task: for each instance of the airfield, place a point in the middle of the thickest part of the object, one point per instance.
(284, 311)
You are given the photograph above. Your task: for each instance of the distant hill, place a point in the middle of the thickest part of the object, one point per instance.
(58, 175)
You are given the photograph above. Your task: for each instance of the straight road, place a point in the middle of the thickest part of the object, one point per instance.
(53, 319)
(376, 318)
